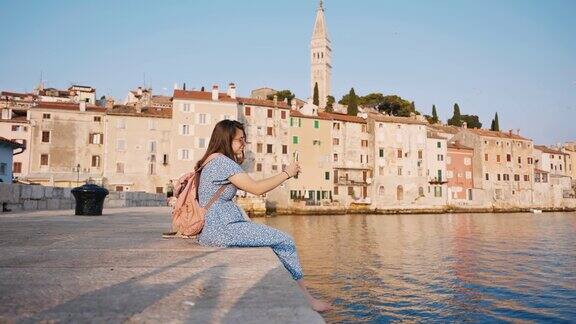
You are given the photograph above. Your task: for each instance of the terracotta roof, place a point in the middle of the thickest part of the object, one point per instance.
(548, 150)
(16, 94)
(121, 110)
(296, 113)
(343, 117)
(540, 171)
(66, 106)
(489, 133)
(458, 146)
(264, 103)
(201, 95)
(18, 119)
(12, 143)
(434, 135)
(394, 119)
(445, 128)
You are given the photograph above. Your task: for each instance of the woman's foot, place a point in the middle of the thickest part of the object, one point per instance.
(319, 305)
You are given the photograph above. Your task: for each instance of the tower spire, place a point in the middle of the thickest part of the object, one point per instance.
(321, 6)
(321, 57)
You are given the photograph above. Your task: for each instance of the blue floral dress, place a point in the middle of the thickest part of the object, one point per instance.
(225, 224)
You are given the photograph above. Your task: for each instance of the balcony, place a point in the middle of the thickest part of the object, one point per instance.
(437, 181)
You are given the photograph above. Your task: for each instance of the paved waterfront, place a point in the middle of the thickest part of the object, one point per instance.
(116, 268)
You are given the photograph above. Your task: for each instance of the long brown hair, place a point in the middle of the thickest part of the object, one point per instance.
(221, 140)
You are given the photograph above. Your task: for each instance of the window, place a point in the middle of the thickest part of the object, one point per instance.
(152, 124)
(399, 153)
(440, 157)
(294, 139)
(506, 177)
(486, 176)
(335, 141)
(119, 167)
(420, 154)
(165, 159)
(519, 160)
(202, 119)
(467, 161)
(526, 177)
(3, 168)
(17, 167)
(45, 136)
(119, 188)
(326, 175)
(468, 175)
(96, 138)
(95, 161)
(15, 128)
(259, 167)
(259, 147)
(316, 124)
(421, 191)
(486, 157)
(270, 113)
(399, 170)
(152, 168)
(530, 160)
(364, 129)
(364, 143)
(284, 149)
(274, 167)
(508, 158)
(268, 130)
(437, 191)
(269, 148)
(381, 191)
(120, 145)
(201, 143)
(184, 154)
(97, 118)
(399, 193)
(381, 152)
(498, 177)
(283, 114)
(186, 107)
(44, 159)
(336, 190)
(247, 111)
(497, 158)
(335, 157)
(516, 177)
(438, 144)
(351, 191)
(46, 116)
(336, 126)
(184, 129)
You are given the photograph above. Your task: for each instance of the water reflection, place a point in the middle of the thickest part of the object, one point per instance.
(464, 267)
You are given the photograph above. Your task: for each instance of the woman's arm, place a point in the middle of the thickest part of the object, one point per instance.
(258, 187)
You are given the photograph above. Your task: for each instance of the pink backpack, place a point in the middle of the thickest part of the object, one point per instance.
(187, 215)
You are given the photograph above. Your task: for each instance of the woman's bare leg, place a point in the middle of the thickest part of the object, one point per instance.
(316, 304)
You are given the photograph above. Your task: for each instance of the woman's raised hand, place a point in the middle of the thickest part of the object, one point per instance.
(293, 169)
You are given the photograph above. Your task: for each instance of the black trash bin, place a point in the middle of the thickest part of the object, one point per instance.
(89, 199)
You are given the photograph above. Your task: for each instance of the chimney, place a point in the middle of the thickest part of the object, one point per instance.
(82, 106)
(184, 87)
(139, 91)
(215, 92)
(275, 100)
(510, 132)
(517, 131)
(464, 125)
(232, 90)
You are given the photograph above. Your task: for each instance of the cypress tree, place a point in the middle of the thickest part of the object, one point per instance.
(316, 96)
(496, 123)
(434, 115)
(352, 103)
(456, 119)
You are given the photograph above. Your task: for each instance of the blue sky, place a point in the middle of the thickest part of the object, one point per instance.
(514, 57)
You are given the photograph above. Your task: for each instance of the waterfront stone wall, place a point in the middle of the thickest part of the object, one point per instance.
(21, 197)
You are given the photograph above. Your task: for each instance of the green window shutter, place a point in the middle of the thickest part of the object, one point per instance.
(299, 122)
(294, 139)
(291, 122)
(439, 145)
(316, 124)
(327, 175)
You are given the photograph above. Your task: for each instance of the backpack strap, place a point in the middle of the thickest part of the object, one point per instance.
(216, 195)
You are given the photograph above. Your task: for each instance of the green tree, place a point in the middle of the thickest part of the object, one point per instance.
(456, 119)
(371, 100)
(316, 96)
(492, 127)
(352, 103)
(472, 121)
(396, 106)
(281, 95)
(435, 118)
(330, 104)
(496, 123)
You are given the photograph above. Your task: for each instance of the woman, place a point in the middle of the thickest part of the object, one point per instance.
(225, 223)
